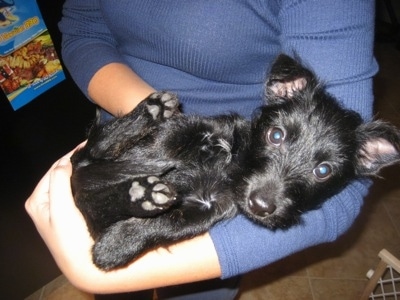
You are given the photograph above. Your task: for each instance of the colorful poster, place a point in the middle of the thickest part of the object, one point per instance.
(29, 64)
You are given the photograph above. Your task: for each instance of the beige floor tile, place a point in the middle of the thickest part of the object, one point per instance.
(36, 295)
(392, 205)
(334, 289)
(61, 289)
(393, 208)
(68, 292)
(286, 288)
(286, 279)
(294, 265)
(352, 255)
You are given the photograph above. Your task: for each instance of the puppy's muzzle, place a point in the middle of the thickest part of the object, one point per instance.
(260, 204)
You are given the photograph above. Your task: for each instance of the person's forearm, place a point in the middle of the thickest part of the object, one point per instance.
(185, 262)
(117, 89)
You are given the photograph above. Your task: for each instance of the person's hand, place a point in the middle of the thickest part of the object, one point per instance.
(57, 219)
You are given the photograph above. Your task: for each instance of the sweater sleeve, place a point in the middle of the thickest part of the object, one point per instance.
(335, 39)
(87, 44)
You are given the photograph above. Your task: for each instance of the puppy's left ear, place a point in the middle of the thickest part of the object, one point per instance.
(379, 147)
(287, 76)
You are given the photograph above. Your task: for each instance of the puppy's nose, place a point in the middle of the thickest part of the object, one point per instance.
(261, 206)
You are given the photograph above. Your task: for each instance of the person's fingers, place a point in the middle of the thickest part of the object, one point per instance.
(39, 198)
(60, 193)
(42, 187)
(37, 205)
(64, 215)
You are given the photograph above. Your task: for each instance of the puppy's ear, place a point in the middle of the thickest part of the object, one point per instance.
(379, 147)
(287, 76)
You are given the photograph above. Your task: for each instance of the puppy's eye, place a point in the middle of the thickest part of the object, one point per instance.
(323, 171)
(275, 136)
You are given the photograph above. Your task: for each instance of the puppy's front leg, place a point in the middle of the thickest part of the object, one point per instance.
(162, 105)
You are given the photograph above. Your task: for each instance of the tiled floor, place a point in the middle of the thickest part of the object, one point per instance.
(327, 272)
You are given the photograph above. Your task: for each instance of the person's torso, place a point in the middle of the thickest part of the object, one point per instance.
(214, 54)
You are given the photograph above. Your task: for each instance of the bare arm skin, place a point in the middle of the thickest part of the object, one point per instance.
(118, 89)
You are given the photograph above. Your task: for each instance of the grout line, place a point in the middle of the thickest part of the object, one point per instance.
(309, 283)
(41, 293)
(37, 295)
(340, 278)
(392, 221)
(311, 287)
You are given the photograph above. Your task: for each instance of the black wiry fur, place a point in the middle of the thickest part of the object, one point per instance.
(156, 176)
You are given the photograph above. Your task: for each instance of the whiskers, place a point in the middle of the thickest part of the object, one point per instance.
(202, 202)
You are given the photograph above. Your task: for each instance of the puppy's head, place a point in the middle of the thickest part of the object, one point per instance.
(305, 147)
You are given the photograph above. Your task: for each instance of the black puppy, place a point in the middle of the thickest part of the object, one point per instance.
(156, 176)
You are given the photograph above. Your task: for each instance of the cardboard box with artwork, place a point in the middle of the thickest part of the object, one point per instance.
(29, 64)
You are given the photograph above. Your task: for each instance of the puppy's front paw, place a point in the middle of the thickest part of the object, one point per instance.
(150, 196)
(162, 105)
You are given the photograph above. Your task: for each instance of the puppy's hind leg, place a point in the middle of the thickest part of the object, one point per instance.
(149, 196)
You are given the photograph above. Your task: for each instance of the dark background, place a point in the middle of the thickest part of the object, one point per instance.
(31, 139)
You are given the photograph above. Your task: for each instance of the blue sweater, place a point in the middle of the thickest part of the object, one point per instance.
(215, 55)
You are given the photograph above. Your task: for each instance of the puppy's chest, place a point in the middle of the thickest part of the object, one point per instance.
(200, 144)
